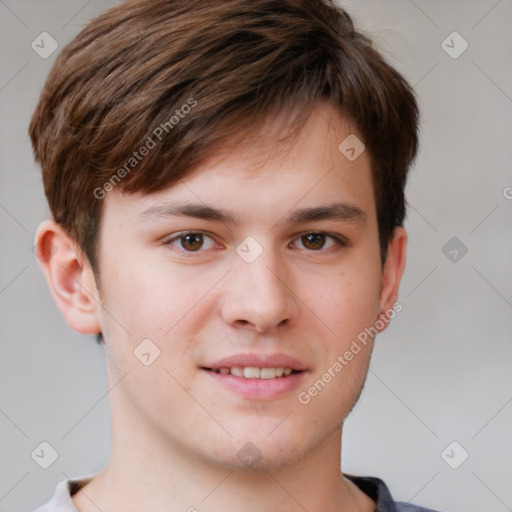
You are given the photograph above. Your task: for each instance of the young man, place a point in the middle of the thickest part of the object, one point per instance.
(226, 181)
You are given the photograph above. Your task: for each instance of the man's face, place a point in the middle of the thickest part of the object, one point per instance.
(274, 288)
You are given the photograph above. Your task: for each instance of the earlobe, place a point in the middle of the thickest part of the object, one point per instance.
(393, 270)
(69, 277)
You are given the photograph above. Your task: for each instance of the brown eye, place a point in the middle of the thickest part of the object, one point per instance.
(321, 242)
(192, 241)
(313, 241)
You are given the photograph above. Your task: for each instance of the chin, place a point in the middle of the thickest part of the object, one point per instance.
(256, 455)
(262, 465)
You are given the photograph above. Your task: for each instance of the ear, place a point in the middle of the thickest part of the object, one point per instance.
(392, 272)
(69, 276)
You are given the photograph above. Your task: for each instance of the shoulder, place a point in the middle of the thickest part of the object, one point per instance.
(379, 492)
(408, 507)
(61, 499)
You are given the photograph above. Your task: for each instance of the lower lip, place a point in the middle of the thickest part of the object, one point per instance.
(259, 389)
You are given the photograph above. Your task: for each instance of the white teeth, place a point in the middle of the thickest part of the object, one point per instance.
(268, 373)
(238, 371)
(253, 372)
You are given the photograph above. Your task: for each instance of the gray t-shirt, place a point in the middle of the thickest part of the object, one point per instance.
(374, 487)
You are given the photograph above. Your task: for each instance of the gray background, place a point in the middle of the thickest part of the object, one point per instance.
(440, 373)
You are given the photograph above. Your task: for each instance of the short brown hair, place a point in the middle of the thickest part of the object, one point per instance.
(232, 63)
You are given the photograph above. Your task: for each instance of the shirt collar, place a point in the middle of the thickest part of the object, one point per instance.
(374, 487)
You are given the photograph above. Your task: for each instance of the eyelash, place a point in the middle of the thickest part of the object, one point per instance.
(339, 241)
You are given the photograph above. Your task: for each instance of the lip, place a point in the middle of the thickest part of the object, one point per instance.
(258, 360)
(258, 389)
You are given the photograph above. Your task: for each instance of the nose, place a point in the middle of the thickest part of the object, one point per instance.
(259, 295)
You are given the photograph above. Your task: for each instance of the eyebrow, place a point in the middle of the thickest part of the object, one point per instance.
(334, 211)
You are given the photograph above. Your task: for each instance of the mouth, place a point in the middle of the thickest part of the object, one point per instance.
(257, 377)
(255, 372)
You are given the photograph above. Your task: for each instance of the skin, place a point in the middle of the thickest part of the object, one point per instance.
(175, 431)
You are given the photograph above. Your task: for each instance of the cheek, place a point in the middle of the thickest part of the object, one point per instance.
(348, 304)
(347, 300)
(147, 297)
(155, 301)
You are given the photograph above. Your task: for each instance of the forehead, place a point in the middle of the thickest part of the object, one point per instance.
(263, 172)
(318, 138)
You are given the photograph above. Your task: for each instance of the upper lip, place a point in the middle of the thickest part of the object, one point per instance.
(259, 361)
